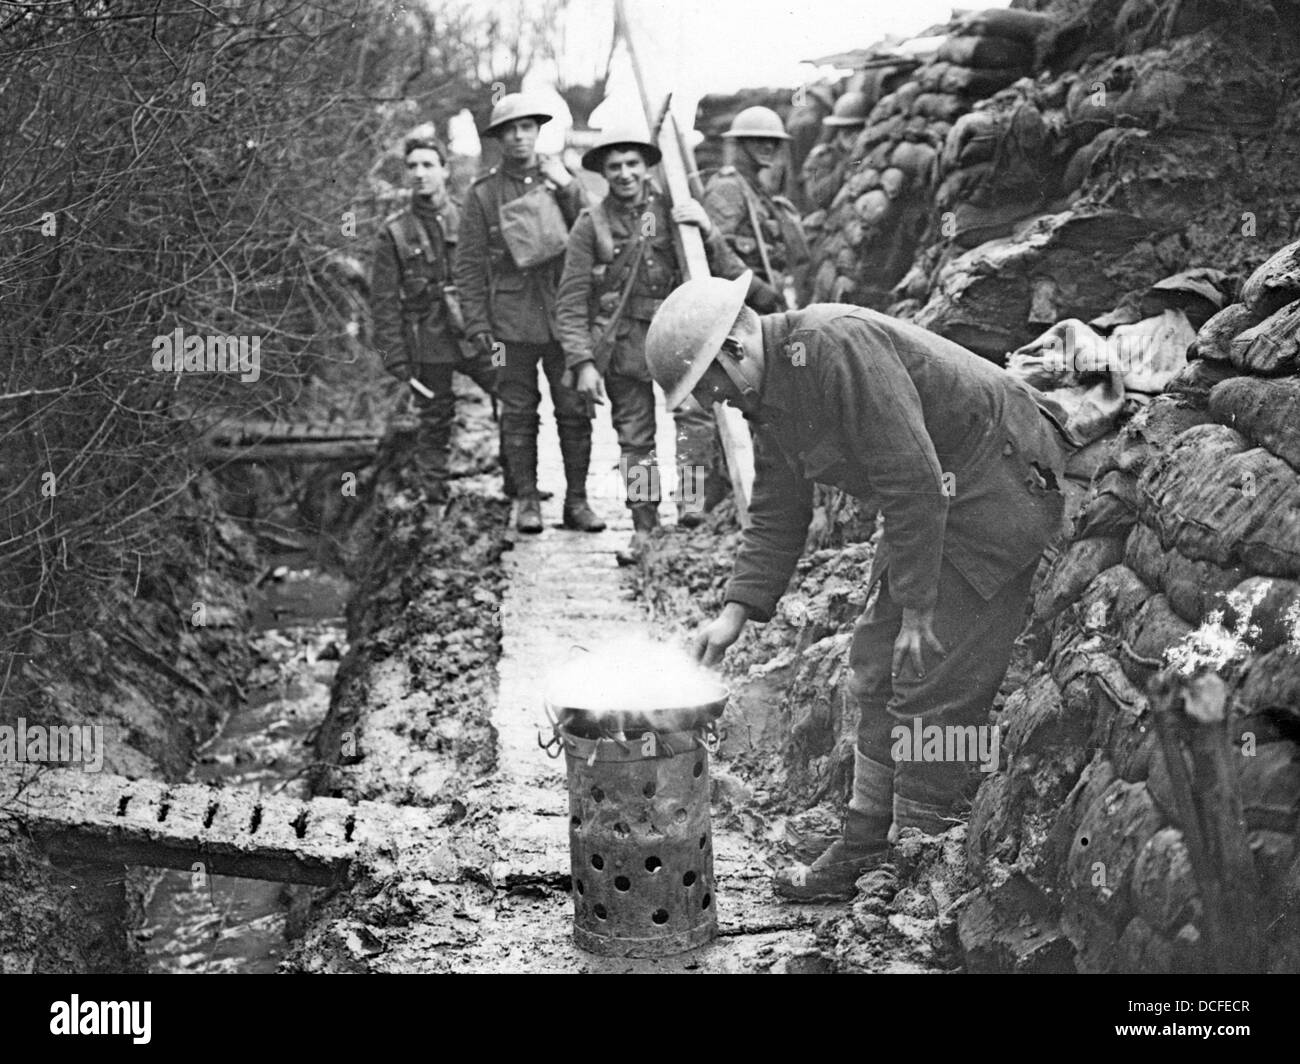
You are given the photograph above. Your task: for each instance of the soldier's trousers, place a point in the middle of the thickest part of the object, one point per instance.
(520, 396)
(632, 410)
(437, 415)
(957, 690)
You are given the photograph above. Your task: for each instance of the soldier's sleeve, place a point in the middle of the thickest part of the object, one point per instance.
(725, 202)
(872, 398)
(571, 298)
(779, 515)
(570, 199)
(723, 261)
(386, 309)
(470, 266)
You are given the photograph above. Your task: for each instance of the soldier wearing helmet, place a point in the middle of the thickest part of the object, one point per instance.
(620, 264)
(966, 467)
(762, 227)
(514, 228)
(825, 168)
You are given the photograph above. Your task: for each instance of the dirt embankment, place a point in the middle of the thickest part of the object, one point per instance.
(157, 674)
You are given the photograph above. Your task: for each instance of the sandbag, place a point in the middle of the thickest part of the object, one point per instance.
(1153, 97)
(1112, 832)
(886, 129)
(1083, 160)
(1266, 412)
(1196, 379)
(1085, 463)
(1088, 102)
(863, 180)
(1149, 633)
(1214, 339)
(978, 82)
(1273, 346)
(931, 76)
(1214, 499)
(1199, 293)
(872, 207)
(1074, 569)
(943, 106)
(1193, 588)
(893, 182)
(1276, 283)
(1018, 25)
(915, 160)
(972, 139)
(1111, 510)
(961, 184)
(986, 52)
(1272, 685)
(1152, 431)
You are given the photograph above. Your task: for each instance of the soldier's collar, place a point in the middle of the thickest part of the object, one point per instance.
(776, 329)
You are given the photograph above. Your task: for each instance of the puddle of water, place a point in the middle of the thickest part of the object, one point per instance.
(206, 923)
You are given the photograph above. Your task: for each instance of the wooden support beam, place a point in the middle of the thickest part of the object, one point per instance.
(678, 169)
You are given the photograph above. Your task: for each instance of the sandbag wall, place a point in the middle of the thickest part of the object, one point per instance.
(1043, 164)
(1186, 552)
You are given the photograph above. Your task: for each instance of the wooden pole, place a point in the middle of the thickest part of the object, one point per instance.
(678, 168)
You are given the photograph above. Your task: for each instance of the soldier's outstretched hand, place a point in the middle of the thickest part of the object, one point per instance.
(711, 641)
(692, 212)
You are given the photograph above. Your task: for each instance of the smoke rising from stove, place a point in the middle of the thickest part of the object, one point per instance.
(632, 674)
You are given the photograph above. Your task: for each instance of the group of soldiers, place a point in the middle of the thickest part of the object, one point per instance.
(526, 272)
(964, 462)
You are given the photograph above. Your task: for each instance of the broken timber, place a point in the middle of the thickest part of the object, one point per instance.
(311, 441)
(115, 820)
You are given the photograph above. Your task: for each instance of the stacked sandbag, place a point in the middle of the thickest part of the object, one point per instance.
(1186, 553)
(874, 225)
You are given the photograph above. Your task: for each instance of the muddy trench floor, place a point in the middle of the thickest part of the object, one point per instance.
(448, 722)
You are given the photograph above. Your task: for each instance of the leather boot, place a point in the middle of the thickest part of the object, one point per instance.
(520, 453)
(575, 450)
(433, 457)
(645, 519)
(834, 875)
(507, 480)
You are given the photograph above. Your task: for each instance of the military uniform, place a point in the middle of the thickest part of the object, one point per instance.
(823, 173)
(727, 197)
(966, 470)
(517, 307)
(414, 331)
(591, 287)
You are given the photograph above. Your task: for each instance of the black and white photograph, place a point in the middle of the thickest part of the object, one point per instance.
(535, 487)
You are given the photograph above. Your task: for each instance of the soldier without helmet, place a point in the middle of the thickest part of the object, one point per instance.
(417, 323)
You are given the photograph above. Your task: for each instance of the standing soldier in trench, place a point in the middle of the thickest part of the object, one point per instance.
(620, 264)
(416, 314)
(514, 229)
(966, 468)
(761, 227)
(827, 164)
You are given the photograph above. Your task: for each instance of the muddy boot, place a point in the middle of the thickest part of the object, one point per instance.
(529, 517)
(433, 457)
(508, 488)
(575, 450)
(520, 454)
(645, 519)
(834, 875)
